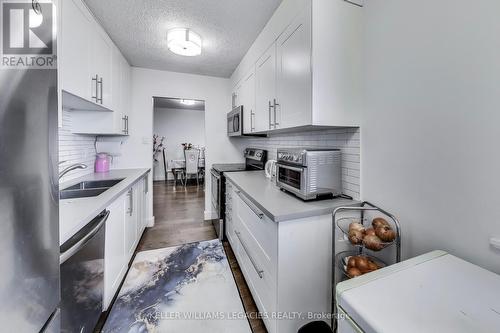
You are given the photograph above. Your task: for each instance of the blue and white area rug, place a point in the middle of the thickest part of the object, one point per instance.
(185, 289)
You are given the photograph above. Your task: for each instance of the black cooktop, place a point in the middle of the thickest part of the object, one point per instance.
(229, 167)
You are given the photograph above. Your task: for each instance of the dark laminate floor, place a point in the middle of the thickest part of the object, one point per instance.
(178, 212)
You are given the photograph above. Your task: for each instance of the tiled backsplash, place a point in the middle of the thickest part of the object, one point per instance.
(346, 139)
(74, 148)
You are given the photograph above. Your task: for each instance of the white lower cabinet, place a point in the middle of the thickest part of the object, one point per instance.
(124, 228)
(287, 265)
(131, 220)
(115, 262)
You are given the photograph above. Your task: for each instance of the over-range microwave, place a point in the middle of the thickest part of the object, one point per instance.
(235, 122)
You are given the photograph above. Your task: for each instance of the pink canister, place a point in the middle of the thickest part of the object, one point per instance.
(102, 162)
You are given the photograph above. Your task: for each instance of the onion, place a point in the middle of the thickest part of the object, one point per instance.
(357, 227)
(379, 222)
(385, 233)
(356, 237)
(353, 272)
(373, 243)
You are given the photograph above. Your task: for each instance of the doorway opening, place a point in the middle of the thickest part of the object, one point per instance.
(178, 174)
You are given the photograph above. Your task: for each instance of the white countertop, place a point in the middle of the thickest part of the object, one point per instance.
(76, 213)
(278, 205)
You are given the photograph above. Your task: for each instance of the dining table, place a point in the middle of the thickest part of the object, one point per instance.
(179, 165)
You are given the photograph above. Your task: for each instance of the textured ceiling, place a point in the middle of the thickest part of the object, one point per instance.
(228, 28)
(175, 103)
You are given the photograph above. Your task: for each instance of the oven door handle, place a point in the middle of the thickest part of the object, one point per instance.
(286, 166)
(250, 205)
(84, 240)
(215, 175)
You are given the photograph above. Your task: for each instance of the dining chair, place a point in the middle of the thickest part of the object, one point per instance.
(192, 157)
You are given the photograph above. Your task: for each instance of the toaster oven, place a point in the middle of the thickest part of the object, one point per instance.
(310, 173)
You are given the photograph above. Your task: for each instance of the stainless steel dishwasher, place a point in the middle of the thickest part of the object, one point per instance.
(82, 277)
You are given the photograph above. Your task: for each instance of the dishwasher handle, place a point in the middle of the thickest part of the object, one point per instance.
(78, 241)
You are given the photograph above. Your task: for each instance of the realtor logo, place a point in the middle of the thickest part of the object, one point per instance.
(28, 34)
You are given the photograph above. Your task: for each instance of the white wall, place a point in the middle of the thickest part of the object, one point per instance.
(431, 127)
(178, 126)
(215, 92)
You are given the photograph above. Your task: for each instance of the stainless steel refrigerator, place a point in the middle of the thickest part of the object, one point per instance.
(29, 201)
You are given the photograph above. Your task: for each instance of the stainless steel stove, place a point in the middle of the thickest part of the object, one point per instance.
(255, 160)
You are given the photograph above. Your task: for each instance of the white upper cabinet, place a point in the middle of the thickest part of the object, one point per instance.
(247, 93)
(294, 76)
(236, 97)
(265, 90)
(121, 93)
(101, 51)
(74, 42)
(308, 66)
(85, 59)
(94, 75)
(337, 63)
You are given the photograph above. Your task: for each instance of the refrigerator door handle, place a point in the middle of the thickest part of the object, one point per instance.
(81, 242)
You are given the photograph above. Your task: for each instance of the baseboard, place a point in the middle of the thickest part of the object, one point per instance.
(210, 215)
(150, 222)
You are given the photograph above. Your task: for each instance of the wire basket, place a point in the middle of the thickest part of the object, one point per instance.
(342, 259)
(345, 222)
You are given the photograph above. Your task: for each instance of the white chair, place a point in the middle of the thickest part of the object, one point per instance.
(192, 157)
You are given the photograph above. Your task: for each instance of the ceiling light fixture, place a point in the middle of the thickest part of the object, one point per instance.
(184, 42)
(188, 101)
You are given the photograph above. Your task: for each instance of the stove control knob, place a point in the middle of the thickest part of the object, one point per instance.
(296, 159)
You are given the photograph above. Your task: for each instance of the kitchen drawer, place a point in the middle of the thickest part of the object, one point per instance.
(263, 231)
(230, 231)
(259, 274)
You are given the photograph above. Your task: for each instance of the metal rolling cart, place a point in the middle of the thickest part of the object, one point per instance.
(339, 258)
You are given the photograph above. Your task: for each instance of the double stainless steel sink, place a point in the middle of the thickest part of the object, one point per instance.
(88, 189)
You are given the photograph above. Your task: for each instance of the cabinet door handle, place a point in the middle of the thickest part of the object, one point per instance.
(99, 99)
(94, 96)
(252, 121)
(125, 125)
(274, 108)
(250, 205)
(259, 271)
(146, 184)
(124, 130)
(131, 202)
(269, 109)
